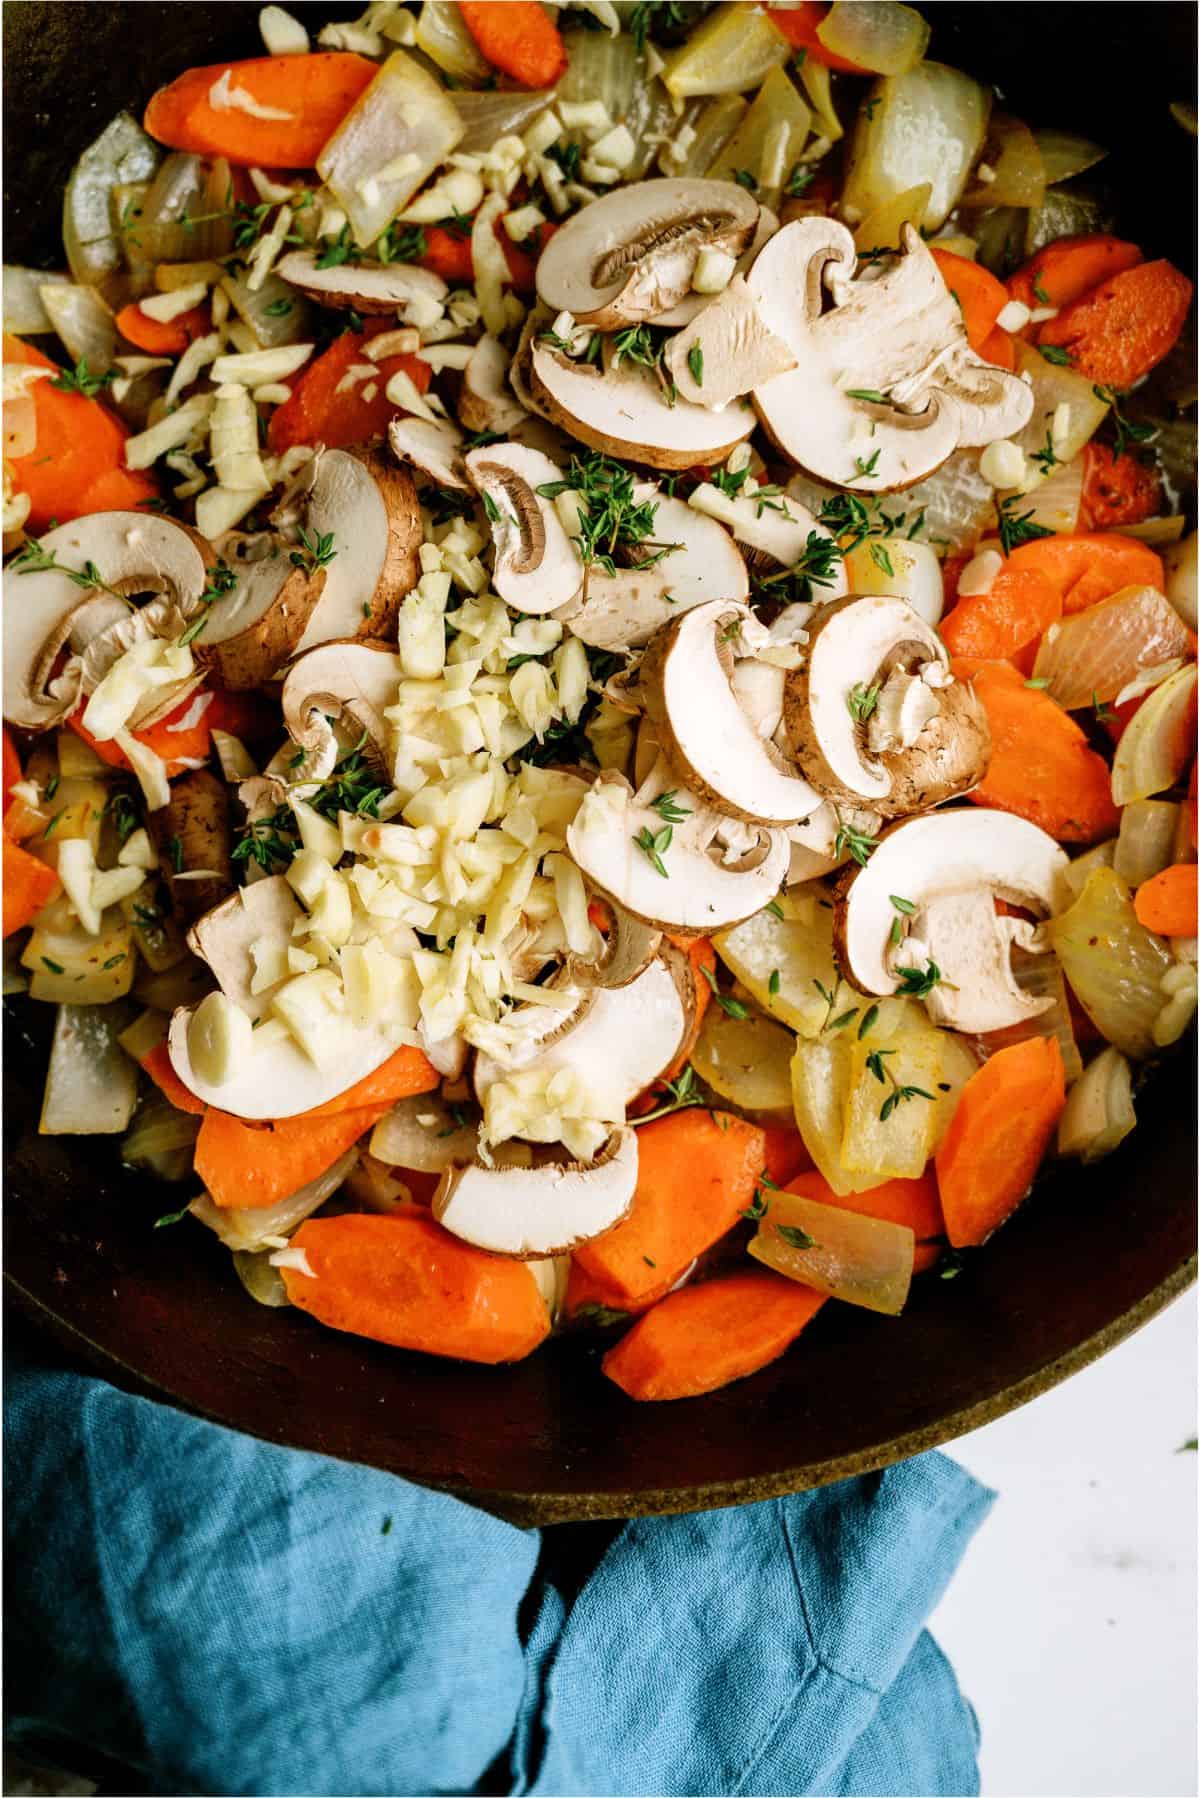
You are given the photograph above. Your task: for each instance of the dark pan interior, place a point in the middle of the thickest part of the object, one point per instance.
(1090, 1257)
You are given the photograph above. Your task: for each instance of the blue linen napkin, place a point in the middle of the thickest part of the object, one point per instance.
(230, 1617)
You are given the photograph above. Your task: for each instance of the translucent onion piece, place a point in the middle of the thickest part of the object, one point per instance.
(246, 1227)
(600, 67)
(20, 426)
(714, 123)
(746, 1060)
(1042, 978)
(403, 121)
(1055, 386)
(1146, 840)
(486, 118)
(1114, 965)
(91, 1084)
(728, 53)
(881, 229)
(1157, 531)
(263, 1282)
(1180, 564)
(84, 324)
(1159, 741)
(186, 188)
(1094, 654)
(1055, 500)
(820, 1089)
(959, 505)
(1099, 1112)
(1000, 238)
(1065, 155)
(768, 142)
(927, 125)
(1074, 876)
(1064, 212)
(817, 83)
(864, 1260)
(446, 41)
(24, 313)
(1011, 152)
(129, 202)
(260, 309)
(121, 153)
(651, 120)
(780, 960)
(898, 1145)
(425, 1135)
(878, 35)
(960, 1060)
(161, 1140)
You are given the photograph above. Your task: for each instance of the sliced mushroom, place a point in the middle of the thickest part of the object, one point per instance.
(194, 839)
(775, 526)
(951, 867)
(223, 936)
(352, 682)
(700, 890)
(686, 679)
(814, 839)
(253, 629)
(366, 287)
(537, 566)
(369, 508)
(485, 400)
(873, 653)
(134, 552)
(528, 1212)
(886, 385)
(631, 254)
(629, 948)
(623, 411)
(278, 1079)
(692, 303)
(436, 449)
(730, 347)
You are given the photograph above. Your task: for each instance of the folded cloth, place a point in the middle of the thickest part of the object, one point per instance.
(224, 1616)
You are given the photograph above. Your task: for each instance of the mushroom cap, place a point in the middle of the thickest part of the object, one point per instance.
(434, 448)
(369, 507)
(623, 411)
(950, 756)
(537, 566)
(933, 859)
(700, 892)
(851, 642)
(900, 335)
(530, 1212)
(251, 631)
(366, 287)
(222, 937)
(630, 255)
(780, 529)
(347, 680)
(686, 677)
(135, 552)
(278, 1080)
(737, 348)
(485, 399)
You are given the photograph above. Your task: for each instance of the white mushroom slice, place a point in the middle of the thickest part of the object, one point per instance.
(775, 526)
(369, 508)
(730, 347)
(623, 411)
(537, 566)
(617, 1039)
(352, 682)
(485, 400)
(686, 678)
(700, 891)
(814, 839)
(135, 552)
(436, 449)
(629, 948)
(529, 1212)
(692, 303)
(249, 632)
(223, 936)
(855, 646)
(278, 1079)
(951, 867)
(631, 254)
(886, 385)
(366, 287)
(758, 689)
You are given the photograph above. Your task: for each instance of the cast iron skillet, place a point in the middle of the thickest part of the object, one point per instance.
(1086, 1261)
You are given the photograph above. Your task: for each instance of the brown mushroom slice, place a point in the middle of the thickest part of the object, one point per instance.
(730, 346)
(253, 629)
(369, 508)
(194, 839)
(537, 566)
(624, 412)
(366, 287)
(434, 448)
(886, 385)
(530, 1212)
(814, 839)
(687, 680)
(134, 552)
(352, 682)
(701, 890)
(951, 867)
(485, 399)
(629, 948)
(223, 937)
(779, 528)
(631, 254)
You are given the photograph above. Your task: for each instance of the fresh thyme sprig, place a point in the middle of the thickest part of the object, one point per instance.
(682, 1095)
(80, 379)
(611, 519)
(317, 551)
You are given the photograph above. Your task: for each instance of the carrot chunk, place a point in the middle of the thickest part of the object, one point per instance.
(705, 1336)
(406, 1281)
(1119, 331)
(798, 21)
(914, 1203)
(12, 769)
(162, 337)
(1001, 1129)
(784, 1153)
(402, 1076)
(1167, 901)
(158, 1065)
(1090, 567)
(1019, 606)
(314, 93)
(1117, 490)
(1063, 271)
(518, 37)
(28, 885)
(981, 297)
(318, 413)
(1041, 767)
(257, 1164)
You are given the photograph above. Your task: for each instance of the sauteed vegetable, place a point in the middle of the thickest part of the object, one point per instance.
(599, 668)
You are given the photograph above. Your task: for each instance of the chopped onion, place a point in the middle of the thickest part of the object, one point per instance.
(1065, 155)
(1041, 977)
(1055, 386)
(488, 117)
(122, 153)
(1181, 579)
(1091, 656)
(881, 229)
(1159, 741)
(1012, 156)
(1054, 501)
(91, 1084)
(264, 1283)
(247, 1226)
(84, 324)
(187, 187)
(1156, 531)
(926, 125)
(729, 52)
(399, 130)
(712, 124)
(999, 238)
(1146, 842)
(959, 505)
(862, 1260)
(446, 41)
(24, 313)
(262, 309)
(1064, 212)
(1074, 876)
(423, 1134)
(817, 83)
(162, 1140)
(878, 35)
(1099, 1111)
(1113, 964)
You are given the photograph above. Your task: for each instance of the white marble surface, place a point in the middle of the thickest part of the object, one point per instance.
(1072, 1622)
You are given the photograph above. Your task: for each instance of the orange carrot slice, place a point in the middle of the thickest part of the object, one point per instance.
(1041, 767)
(798, 21)
(1117, 490)
(1090, 567)
(318, 413)
(981, 297)
(784, 1153)
(518, 37)
(705, 1336)
(314, 92)
(1001, 1129)
(1119, 331)
(1167, 901)
(158, 1065)
(244, 1164)
(401, 1076)
(1063, 271)
(28, 885)
(159, 337)
(914, 1203)
(1011, 616)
